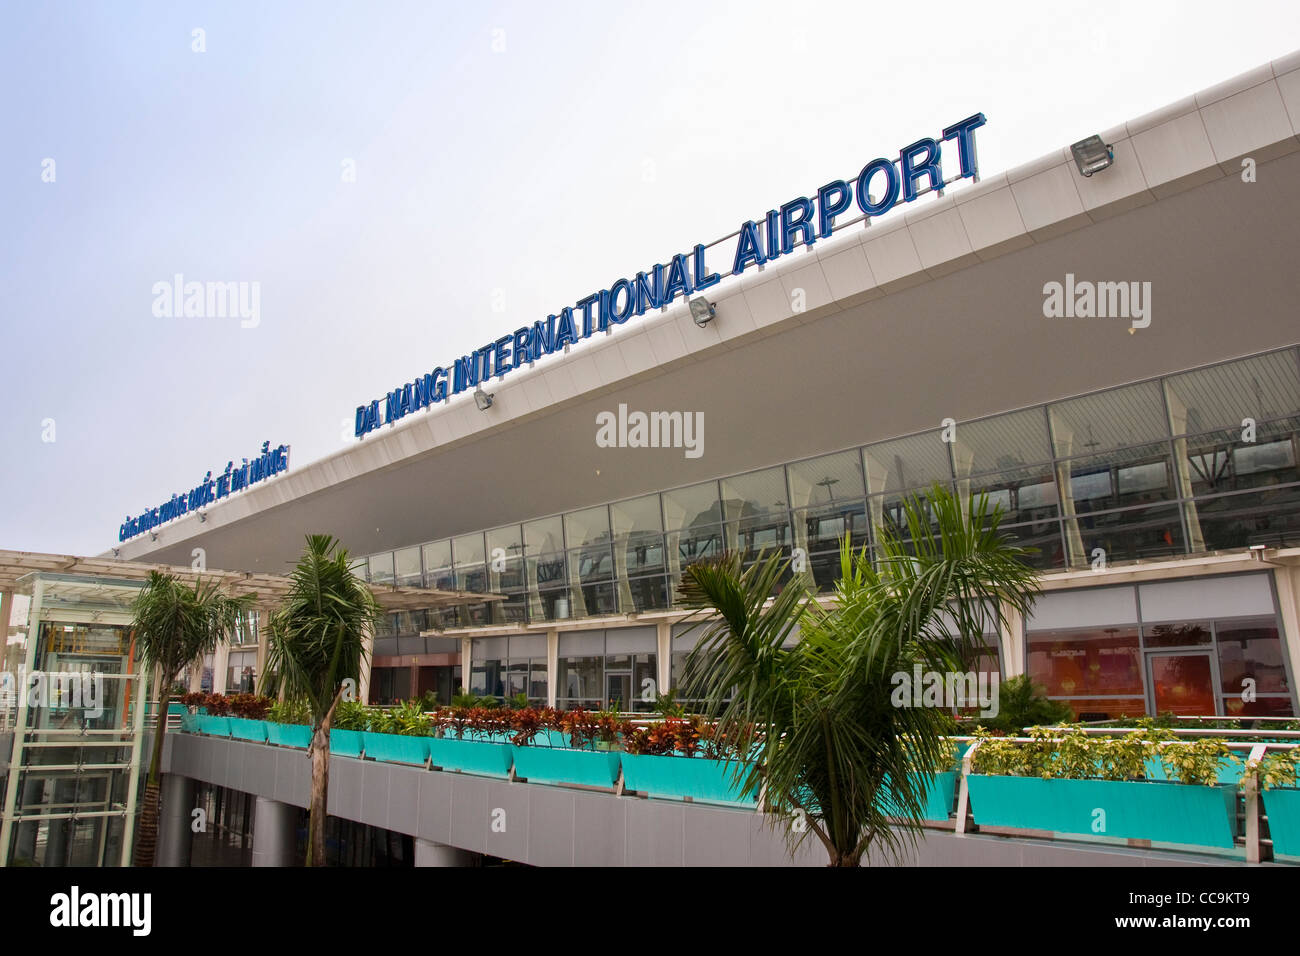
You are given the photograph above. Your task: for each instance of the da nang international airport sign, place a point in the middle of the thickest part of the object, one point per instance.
(272, 461)
(803, 220)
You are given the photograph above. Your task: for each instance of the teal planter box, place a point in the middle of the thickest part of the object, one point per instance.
(190, 723)
(397, 748)
(1282, 805)
(1161, 811)
(248, 729)
(587, 768)
(471, 756)
(289, 735)
(937, 801)
(700, 779)
(346, 743)
(214, 726)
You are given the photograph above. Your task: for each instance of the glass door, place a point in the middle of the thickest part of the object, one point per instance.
(1182, 683)
(618, 690)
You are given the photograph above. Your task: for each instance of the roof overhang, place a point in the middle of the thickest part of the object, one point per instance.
(930, 314)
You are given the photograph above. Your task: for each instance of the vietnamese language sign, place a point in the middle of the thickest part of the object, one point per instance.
(802, 220)
(271, 462)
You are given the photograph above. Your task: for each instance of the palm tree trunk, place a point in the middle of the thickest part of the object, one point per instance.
(320, 781)
(146, 832)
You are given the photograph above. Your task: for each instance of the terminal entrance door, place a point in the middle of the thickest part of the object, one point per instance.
(1182, 683)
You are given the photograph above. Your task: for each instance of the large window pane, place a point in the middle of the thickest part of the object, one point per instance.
(1269, 517)
(467, 549)
(1004, 443)
(1087, 662)
(915, 462)
(437, 566)
(1221, 462)
(381, 568)
(1265, 387)
(1132, 535)
(589, 526)
(826, 480)
(407, 568)
(757, 511)
(1119, 480)
(1108, 421)
(545, 535)
(694, 506)
(638, 535)
(1251, 649)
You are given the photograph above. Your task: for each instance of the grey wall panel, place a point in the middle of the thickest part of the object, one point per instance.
(345, 787)
(599, 825)
(259, 771)
(403, 799)
(656, 833)
(385, 647)
(716, 837)
(478, 804)
(237, 753)
(551, 827)
(435, 808)
(293, 777)
(373, 787)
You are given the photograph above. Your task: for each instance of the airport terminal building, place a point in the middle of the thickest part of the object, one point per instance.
(1114, 358)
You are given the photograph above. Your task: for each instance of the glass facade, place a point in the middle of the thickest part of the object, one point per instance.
(1202, 646)
(607, 669)
(1200, 461)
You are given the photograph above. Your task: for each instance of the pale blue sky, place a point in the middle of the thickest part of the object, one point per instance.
(523, 170)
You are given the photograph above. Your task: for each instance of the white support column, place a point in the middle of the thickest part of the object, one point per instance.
(1287, 580)
(1012, 640)
(137, 737)
(20, 724)
(220, 665)
(552, 664)
(368, 643)
(664, 644)
(466, 650)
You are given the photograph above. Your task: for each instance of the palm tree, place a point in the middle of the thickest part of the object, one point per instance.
(174, 625)
(316, 648)
(840, 759)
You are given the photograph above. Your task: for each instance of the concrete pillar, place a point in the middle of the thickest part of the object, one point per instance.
(466, 652)
(367, 655)
(428, 853)
(220, 664)
(1012, 639)
(664, 660)
(175, 836)
(275, 833)
(552, 664)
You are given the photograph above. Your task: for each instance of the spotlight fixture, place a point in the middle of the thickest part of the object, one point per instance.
(153, 536)
(1091, 155)
(702, 311)
(203, 516)
(483, 399)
